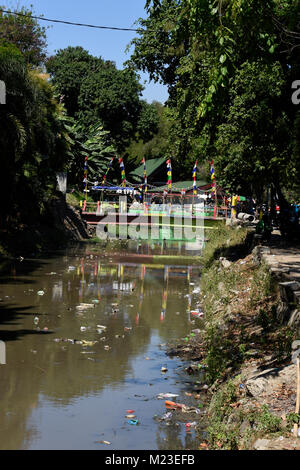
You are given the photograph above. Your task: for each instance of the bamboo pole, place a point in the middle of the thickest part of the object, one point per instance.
(298, 397)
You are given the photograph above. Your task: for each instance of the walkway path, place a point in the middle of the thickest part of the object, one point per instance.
(283, 257)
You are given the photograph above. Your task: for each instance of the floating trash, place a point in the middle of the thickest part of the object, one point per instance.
(172, 405)
(197, 313)
(88, 343)
(36, 320)
(164, 370)
(162, 396)
(40, 292)
(85, 306)
(191, 425)
(133, 422)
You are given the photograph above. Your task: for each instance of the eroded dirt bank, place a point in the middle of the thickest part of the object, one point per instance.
(246, 345)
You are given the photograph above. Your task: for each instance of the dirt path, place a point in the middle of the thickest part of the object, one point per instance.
(284, 257)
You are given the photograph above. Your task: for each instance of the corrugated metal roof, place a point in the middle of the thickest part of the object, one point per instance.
(151, 165)
(180, 185)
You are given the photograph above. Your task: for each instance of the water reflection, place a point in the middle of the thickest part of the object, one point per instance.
(141, 305)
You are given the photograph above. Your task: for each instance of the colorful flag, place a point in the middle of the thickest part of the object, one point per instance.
(169, 173)
(123, 177)
(145, 176)
(213, 178)
(108, 168)
(85, 176)
(194, 178)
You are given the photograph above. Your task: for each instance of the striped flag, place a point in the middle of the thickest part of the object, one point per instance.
(213, 178)
(169, 173)
(145, 175)
(108, 168)
(123, 178)
(85, 175)
(194, 178)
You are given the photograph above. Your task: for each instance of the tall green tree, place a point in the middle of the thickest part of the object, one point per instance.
(94, 91)
(68, 69)
(112, 97)
(32, 138)
(18, 28)
(156, 143)
(211, 45)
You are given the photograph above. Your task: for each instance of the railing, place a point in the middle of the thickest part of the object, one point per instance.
(100, 208)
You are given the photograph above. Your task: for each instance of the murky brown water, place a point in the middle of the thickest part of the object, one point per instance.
(66, 395)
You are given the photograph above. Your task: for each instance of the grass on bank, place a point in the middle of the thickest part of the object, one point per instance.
(226, 242)
(73, 198)
(232, 427)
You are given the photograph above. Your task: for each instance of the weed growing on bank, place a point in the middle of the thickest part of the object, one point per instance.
(232, 427)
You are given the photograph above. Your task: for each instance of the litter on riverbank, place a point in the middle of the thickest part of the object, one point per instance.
(244, 350)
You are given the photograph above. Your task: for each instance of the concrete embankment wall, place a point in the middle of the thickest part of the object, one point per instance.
(288, 310)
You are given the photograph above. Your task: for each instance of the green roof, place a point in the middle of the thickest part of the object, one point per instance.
(180, 185)
(151, 166)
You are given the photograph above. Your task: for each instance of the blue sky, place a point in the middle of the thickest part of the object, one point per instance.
(110, 45)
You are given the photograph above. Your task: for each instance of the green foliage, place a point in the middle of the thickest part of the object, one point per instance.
(246, 160)
(220, 434)
(216, 357)
(148, 122)
(92, 142)
(112, 97)
(25, 33)
(95, 91)
(68, 68)
(32, 139)
(292, 418)
(222, 242)
(224, 430)
(229, 68)
(157, 145)
(264, 421)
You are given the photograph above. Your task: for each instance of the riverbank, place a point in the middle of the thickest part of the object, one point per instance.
(243, 344)
(59, 225)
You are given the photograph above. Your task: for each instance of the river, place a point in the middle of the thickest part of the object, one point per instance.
(85, 333)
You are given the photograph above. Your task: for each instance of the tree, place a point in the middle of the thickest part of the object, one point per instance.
(254, 144)
(94, 91)
(218, 42)
(156, 145)
(112, 97)
(156, 50)
(32, 138)
(148, 122)
(25, 33)
(68, 68)
(92, 143)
